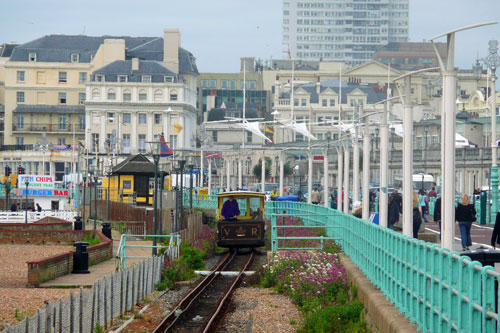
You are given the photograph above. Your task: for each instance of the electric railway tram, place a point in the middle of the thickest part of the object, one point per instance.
(244, 223)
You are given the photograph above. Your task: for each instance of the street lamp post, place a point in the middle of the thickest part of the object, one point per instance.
(26, 202)
(449, 122)
(191, 166)
(95, 193)
(108, 174)
(156, 152)
(163, 170)
(492, 61)
(179, 200)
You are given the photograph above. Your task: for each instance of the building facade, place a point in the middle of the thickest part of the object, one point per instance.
(349, 31)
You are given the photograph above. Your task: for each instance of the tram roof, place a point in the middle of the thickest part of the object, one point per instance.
(240, 194)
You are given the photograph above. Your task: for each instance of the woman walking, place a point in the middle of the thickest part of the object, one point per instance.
(465, 214)
(417, 215)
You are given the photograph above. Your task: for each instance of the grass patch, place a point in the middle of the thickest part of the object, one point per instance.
(92, 239)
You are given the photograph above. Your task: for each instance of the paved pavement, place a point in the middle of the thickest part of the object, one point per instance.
(102, 269)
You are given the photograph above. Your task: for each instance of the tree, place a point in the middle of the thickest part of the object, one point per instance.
(257, 170)
(287, 170)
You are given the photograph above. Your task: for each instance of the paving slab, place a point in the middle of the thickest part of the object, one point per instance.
(102, 269)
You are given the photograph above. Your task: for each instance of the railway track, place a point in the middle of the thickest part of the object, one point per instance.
(202, 308)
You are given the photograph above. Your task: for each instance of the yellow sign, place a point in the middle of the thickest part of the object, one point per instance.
(178, 127)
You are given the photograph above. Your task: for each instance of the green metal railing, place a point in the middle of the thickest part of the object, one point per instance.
(172, 248)
(437, 289)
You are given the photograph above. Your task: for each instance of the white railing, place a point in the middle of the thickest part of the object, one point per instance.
(17, 217)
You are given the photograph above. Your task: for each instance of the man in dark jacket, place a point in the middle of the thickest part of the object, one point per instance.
(437, 214)
(393, 217)
(230, 209)
(396, 197)
(495, 235)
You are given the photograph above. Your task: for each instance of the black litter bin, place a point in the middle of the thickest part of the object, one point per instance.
(78, 223)
(486, 257)
(80, 258)
(106, 229)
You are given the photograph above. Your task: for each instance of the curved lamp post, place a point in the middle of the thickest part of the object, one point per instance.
(156, 152)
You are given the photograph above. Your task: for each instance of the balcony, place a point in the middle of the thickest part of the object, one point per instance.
(48, 128)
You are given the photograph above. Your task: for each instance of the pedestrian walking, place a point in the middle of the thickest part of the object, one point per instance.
(393, 215)
(437, 214)
(423, 203)
(38, 207)
(13, 207)
(432, 193)
(495, 235)
(315, 196)
(417, 216)
(465, 214)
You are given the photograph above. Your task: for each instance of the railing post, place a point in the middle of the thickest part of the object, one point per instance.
(274, 244)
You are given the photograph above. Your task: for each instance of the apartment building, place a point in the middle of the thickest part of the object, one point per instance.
(48, 81)
(348, 30)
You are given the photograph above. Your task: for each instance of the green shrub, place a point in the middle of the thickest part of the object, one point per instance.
(92, 239)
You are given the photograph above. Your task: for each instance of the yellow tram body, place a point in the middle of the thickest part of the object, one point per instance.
(246, 229)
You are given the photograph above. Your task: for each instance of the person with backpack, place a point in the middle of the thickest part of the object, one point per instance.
(465, 214)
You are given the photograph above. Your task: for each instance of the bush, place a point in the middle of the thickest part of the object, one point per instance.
(316, 282)
(92, 239)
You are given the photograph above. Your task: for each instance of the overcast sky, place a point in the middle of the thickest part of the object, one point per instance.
(219, 32)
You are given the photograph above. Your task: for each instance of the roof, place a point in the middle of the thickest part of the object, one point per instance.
(347, 89)
(27, 108)
(240, 194)
(6, 49)
(59, 48)
(124, 67)
(219, 113)
(135, 164)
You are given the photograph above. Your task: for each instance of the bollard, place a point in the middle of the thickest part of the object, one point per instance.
(106, 229)
(80, 258)
(78, 224)
(483, 208)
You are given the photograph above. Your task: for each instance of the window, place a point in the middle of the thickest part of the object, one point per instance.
(173, 142)
(157, 118)
(75, 57)
(324, 102)
(146, 78)
(126, 118)
(111, 95)
(81, 122)
(81, 98)
(214, 136)
(62, 122)
(82, 77)
(332, 102)
(122, 78)
(142, 118)
(95, 142)
(143, 96)
(61, 141)
(413, 61)
(299, 137)
(96, 93)
(111, 117)
(40, 77)
(426, 61)
(127, 96)
(99, 78)
(20, 97)
(20, 122)
(303, 102)
(126, 143)
(386, 60)
(168, 79)
(158, 95)
(62, 98)
(32, 57)
(142, 143)
(173, 95)
(63, 77)
(20, 76)
(249, 136)
(295, 102)
(96, 118)
(20, 141)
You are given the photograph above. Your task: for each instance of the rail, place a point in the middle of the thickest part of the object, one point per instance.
(437, 289)
(19, 217)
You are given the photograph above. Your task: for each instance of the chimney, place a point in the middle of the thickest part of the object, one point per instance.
(135, 64)
(318, 86)
(171, 44)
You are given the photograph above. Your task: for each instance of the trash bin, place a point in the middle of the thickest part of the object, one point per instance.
(80, 258)
(486, 257)
(78, 224)
(106, 229)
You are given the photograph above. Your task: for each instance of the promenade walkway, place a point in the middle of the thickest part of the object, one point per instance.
(102, 269)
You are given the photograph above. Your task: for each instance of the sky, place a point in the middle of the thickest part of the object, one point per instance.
(219, 32)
